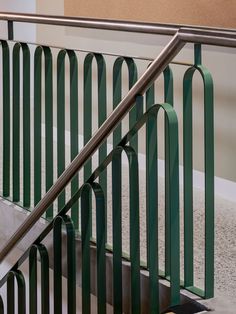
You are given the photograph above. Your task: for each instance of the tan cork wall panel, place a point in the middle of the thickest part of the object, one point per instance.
(217, 13)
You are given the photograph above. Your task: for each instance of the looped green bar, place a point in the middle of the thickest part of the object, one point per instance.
(188, 179)
(102, 111)
(48, 97)
(6, 117)
(21, 306)
(26, 123)
(61, 119)
(117, 93)
(117, 228)
(168, 89)
(33, 279)
(152, 167)
(71, 264)
(152, 210)
(172, 193)
(102, 101)
(100, 243)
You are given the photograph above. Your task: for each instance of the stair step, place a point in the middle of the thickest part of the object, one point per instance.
(191, 307)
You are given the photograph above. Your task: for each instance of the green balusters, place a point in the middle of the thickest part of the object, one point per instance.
(21, 304)
(173, 191)
(73, 120)
(26, 123)
(26, 126)
(168, 98)
(150, 100)
(101, 253)
(71, 264)
(152, 203)
(134, 229)
(85, 193)
(88, 109)
(33, 279)
(102, 102)
(152, 188)
(100, 243)
(38, 124)
(117, 94)
(209, 175)
(74, 125)
(61, 121)
(6, 117)
(172, 182)
(86, 222)
(117, 230)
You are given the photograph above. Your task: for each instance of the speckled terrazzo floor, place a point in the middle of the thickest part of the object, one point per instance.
(225, 235)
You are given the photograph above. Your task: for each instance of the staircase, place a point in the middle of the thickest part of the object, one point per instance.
(96, 228)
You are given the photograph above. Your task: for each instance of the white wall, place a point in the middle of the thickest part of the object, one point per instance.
(21, 31)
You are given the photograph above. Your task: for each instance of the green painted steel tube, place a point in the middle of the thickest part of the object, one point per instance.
(33, 279)
(88, 109)
(172, 182)
(168, 98)
(37, 125)
(86, 221)
(134, 229)
(173, 188)
(39, 51)
(26, 123)
(74, 142)
(74, 125)
(100, 242)
(61, 121)
(21, 304)
(117, 231)
(152, 168)
(6, 117)
(71, 264)
(209, 178)
(117, 93)
(151, 203)
(16, 125)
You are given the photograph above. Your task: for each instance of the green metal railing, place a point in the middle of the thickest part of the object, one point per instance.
(208, 172)
(20, 168)
(83, 194)
(48, 99)
(135, 114)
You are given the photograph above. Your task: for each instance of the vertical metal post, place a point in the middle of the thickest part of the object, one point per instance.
(10, 30)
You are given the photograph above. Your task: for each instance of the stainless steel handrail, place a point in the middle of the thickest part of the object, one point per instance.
(159, 64)
(106, 24)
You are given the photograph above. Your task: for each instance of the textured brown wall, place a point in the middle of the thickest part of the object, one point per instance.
(219, 13)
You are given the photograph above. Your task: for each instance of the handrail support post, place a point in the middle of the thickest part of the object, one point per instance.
(10, 30)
